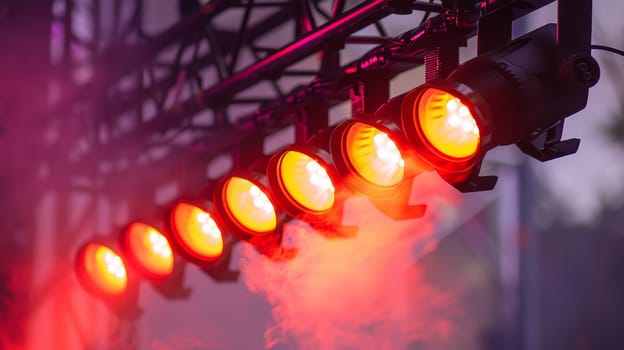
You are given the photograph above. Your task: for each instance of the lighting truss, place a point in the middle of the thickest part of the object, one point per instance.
(467, 97)
(142, 112)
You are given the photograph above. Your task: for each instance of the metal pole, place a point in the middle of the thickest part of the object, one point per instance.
(350, 22)
(508, 214)
(530, 262)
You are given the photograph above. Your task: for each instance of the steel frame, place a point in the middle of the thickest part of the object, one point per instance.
(170, 117)
(164, 110)
(119, 95)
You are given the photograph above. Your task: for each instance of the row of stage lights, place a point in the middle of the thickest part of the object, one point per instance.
(309, 182)
(446, 125)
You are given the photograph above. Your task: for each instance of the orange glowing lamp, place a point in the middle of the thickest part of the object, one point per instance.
(368, 157)
(518, 93)
(305, 183)
(445, 129)
(447, 123)
(245, 206)
(196, 232)
(102, 271)
(149, 250)
(302, 180)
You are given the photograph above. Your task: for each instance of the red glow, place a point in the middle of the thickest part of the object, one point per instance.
(102, 270)
(196, 231)
(149, 249)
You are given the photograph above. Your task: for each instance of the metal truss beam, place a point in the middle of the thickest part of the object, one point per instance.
(395, 55)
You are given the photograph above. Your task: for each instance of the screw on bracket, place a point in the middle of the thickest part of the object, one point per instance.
(579, 72)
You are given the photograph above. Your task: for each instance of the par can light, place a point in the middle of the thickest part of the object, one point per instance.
(148, 250)
(101, 271)
(244, 206)
(513, 94)
(307, 186)
(368, 157)
(304, 180)
(195, 232)
(447, 125)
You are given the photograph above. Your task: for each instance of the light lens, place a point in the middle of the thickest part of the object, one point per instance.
(374, 155)
(250, 206)
(306, 181)
(448, 124)
(104, 270)
(196, 231)
(150, 249)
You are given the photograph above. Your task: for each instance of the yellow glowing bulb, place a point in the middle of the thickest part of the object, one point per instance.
(197, 232)
(306, 181)
(114, 265)
(388, 152)
(104, 269)
(318, 176)
(250, 206)
(374, 155)
(159, 245)
(150, 249)
(448, 124)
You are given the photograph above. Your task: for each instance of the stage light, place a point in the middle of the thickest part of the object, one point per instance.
(447, 123)
(299, 178)
(307, 181)
(102, 271)
(244, 206)
(445, 129)
(517, 94)
(149, 251)
(368, 157)
(196, 235)
(307, 186)
(195, 231)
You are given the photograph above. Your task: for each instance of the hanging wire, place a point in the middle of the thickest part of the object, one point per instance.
(426, 15)
(608, 48)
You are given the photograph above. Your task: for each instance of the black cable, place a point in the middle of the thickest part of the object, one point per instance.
(608, 48)
(426, 15)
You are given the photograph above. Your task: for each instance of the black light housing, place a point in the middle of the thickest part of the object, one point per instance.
(368, 156)
(304, 180)
(148, 251)
(196, 235)
(103, 271)
(519, 93)
(194, 232)
(245, 207)
(391, 195)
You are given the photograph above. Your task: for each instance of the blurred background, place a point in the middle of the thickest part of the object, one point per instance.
(99, 125)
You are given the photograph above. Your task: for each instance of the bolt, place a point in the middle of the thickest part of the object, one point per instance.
(578, 72)
(586, 70)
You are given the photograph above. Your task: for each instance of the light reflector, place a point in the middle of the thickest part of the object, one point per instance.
(149, 249)
(373, 155)
(249, 206)
(447, 123)
(102, 270)
(306, 181)
(196, 231)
